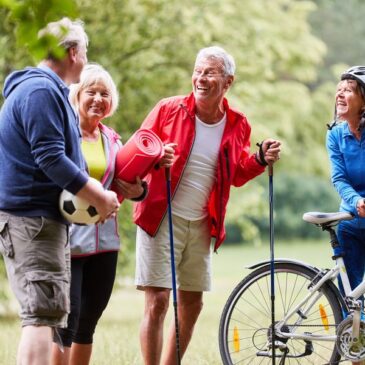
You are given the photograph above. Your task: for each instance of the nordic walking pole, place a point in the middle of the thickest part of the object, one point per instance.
(173, 270)
(272, 271)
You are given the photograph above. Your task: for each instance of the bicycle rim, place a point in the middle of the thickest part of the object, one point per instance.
(246, 319)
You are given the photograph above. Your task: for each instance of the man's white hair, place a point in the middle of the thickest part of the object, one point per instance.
(68, 33)
(221, 54)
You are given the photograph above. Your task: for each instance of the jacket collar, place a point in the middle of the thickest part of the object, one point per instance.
(189, 103)
(347, 133)
(61, 84)
(110, 133)
(346, 130)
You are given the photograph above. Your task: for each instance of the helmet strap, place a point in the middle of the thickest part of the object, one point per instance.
(334, 121)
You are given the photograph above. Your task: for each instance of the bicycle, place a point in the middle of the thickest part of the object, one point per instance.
(315, 323)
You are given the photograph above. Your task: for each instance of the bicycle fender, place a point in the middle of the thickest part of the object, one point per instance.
(283, 261)
(312, 268)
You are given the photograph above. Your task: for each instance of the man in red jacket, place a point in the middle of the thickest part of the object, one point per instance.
(207, 146)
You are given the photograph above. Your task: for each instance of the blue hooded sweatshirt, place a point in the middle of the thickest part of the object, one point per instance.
(40, 150)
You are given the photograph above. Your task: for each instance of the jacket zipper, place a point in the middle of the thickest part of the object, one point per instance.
(182, 173)
(111, 141)
(219, 225)
(225, 150)
(220, 202)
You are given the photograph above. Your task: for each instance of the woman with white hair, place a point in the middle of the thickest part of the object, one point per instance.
(94, 248)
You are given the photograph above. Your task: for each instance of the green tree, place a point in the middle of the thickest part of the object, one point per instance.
(340, 24)
(149, 46)
(27, 17)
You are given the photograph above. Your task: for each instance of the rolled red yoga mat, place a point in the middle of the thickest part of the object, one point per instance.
(138, 156)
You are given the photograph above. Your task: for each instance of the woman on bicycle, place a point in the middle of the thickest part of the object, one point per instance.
(346, 149)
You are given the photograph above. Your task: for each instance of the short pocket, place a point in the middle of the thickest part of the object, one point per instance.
(48, 293)
(33, 227)
(6, 244)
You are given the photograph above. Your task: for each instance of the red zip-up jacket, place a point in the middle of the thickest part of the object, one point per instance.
(173, 120)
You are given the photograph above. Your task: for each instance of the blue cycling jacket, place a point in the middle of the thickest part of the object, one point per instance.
(347, 156)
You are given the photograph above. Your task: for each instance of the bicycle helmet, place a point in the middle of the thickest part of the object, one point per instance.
(356, 73)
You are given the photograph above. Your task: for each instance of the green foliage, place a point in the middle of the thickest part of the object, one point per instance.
(150, 51)
(4, 289)
(149, 47)
(121, 319)
(12, 55)
(245, 205)
(127, 236)
(294, 194)
(340, 24)
(27, 17)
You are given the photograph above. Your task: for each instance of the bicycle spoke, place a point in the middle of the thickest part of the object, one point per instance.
(246, 321)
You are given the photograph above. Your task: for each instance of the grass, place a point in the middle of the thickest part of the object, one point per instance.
(116, 340)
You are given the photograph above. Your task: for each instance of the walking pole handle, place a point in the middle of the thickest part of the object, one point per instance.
(270, 164)
(168, 174)
(271, 169)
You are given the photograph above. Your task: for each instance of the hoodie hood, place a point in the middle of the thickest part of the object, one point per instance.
(17, 77)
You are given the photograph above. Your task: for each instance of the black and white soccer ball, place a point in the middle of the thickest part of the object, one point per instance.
(77, 210)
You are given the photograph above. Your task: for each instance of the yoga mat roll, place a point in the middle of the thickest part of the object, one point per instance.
(138, 156)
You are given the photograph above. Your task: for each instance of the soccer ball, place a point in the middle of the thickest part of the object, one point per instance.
(77, 210)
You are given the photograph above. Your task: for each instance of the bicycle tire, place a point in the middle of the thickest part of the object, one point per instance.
(246, 317)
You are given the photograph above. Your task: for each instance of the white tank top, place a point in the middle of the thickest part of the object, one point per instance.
(191, 198)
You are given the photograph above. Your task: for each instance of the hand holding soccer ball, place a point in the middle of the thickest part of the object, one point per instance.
(77, 209)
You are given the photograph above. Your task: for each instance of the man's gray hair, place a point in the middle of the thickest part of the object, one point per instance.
(68, 33)
(221, 54)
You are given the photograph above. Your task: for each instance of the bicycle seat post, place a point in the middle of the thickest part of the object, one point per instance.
(333, 240)
(327, 221)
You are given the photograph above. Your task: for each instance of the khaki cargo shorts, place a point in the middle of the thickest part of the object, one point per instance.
(192, 256)
(37, 258)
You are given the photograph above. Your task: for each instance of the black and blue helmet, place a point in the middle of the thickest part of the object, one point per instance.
(356, 73)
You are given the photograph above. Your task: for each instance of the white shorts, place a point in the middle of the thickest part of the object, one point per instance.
(192, 251)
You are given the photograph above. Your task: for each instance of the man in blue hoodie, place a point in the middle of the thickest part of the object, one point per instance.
(40, 155)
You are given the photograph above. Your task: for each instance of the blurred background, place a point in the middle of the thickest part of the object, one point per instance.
(289, 55)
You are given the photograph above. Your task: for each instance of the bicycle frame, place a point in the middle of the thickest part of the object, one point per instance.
(357, 292)
(312, 297)
(311, 310)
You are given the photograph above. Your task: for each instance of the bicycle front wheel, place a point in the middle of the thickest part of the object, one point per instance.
(245, 326)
